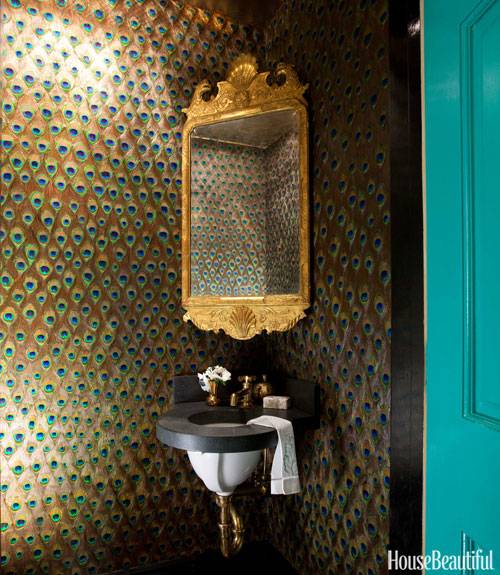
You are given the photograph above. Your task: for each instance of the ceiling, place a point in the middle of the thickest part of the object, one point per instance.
(254, 12)
(258, 131)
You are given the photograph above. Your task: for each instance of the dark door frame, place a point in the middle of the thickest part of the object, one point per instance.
(407, 252)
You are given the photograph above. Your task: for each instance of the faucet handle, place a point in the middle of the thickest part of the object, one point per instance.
(247, 379)
(233, 400)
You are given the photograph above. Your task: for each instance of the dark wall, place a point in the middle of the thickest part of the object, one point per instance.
(339, 522)
(408, 350)
(91, 328)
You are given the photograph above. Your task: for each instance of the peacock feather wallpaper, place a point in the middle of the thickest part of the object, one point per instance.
(340, 521)
(91, 329)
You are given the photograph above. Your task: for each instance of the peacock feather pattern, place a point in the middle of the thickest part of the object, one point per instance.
(91, 328)
(241, 218)
(340, 521)
(228, 219)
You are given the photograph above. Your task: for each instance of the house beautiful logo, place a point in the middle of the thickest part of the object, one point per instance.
(472, 562)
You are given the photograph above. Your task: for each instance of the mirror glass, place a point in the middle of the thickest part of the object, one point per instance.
(245, 206)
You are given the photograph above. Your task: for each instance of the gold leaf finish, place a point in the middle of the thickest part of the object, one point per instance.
(244, 322)
(246, 93)
(245, 87)
(243, 71)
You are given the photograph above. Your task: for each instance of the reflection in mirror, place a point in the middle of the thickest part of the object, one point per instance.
(245, 206)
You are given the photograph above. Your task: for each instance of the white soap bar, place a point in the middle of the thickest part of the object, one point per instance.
(277, 402)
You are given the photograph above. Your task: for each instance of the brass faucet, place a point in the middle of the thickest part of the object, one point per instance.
(243, 398)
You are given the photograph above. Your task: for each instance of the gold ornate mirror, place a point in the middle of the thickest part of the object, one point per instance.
(245, 206)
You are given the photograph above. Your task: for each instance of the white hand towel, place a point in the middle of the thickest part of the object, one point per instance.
(284, 473)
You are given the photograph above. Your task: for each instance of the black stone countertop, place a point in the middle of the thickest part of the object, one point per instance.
(187, 426)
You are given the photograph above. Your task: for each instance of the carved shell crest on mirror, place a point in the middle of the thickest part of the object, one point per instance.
(245, 204)
(245, 86)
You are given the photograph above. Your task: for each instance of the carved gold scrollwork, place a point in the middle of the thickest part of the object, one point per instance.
(245, 86)
(243, 322)
(247, 92)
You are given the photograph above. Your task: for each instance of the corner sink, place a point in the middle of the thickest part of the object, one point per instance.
(197, 428)
(223, 472)
(222, 447)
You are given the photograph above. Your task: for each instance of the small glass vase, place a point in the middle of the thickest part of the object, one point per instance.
(213, 397)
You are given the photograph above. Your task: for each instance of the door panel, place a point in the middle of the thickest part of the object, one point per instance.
(480, 103)
(462, 125)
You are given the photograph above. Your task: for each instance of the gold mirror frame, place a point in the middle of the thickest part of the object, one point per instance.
(246, 92)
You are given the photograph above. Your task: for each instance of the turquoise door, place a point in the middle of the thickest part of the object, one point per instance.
(462, 154)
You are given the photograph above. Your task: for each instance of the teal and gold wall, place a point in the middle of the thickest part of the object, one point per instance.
(339, 523)
(91, 328)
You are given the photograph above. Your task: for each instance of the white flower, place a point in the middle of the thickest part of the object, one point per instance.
(217, 373)
(203, 382)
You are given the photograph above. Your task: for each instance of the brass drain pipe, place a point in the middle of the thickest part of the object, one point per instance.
(230, 526)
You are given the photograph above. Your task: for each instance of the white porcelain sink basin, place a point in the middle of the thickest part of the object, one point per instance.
(223, 472)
